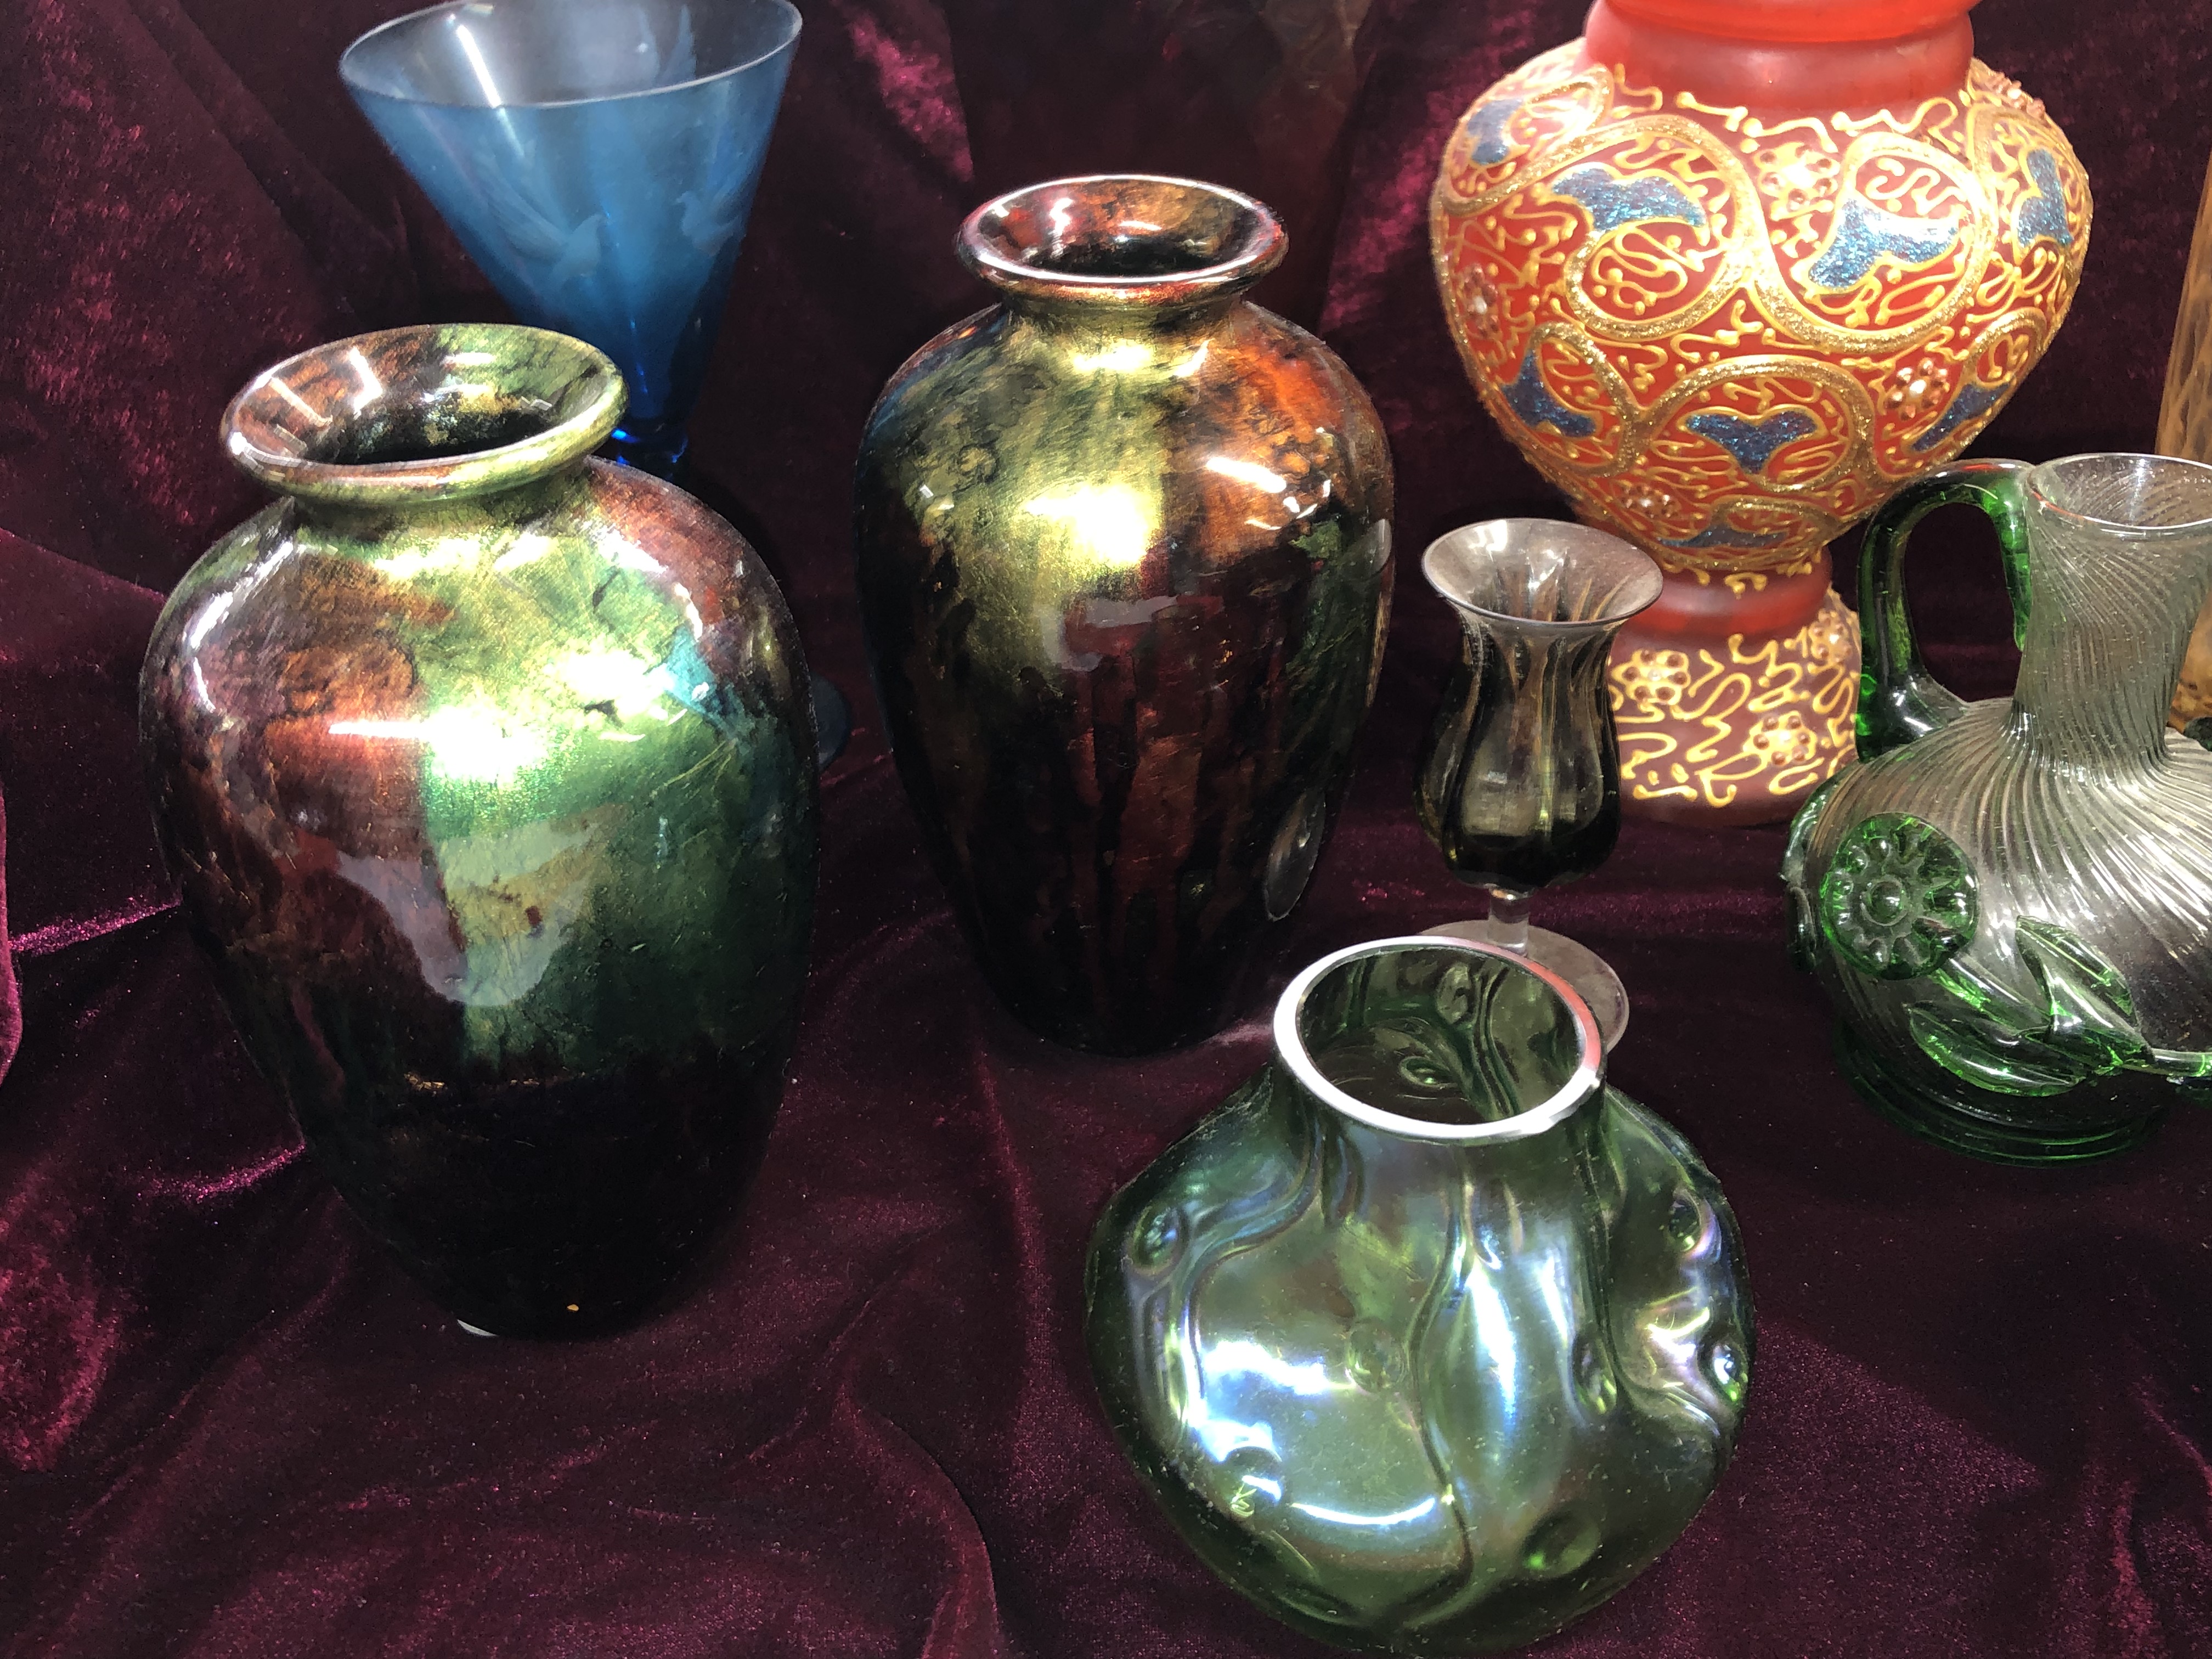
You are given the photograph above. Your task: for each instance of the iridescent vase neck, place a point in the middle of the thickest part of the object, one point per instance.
(1438, 1056)
(2119, 562)
(416, 419)
(1121, 253)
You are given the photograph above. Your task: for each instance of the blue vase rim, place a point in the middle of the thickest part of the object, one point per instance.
(349, 64)
(1580, 1085)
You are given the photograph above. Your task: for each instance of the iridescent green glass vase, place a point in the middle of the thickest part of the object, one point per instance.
(1427, 1340)
(1124, 560)
(487, 772)
(2010, 902)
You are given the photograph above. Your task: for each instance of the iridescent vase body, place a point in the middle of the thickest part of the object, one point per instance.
(1124, 565)
(1427, 1340)
(486, 771)
(1728, 274)
(2010, 902)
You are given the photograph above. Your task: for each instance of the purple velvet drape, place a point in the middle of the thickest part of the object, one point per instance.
(1980, 1422)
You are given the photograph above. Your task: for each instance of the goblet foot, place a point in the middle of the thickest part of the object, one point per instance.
(1953, 1121)
(1592, 978)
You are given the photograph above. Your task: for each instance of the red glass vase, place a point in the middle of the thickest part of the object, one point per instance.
(1729, 274)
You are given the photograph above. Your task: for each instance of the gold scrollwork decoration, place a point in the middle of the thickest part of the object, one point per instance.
(1772, 719)
(1692, 318)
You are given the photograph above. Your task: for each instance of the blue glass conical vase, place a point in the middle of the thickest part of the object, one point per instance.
(597, 159)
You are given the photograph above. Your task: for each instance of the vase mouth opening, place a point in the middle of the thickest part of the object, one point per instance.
(545, 54)
(2136, 496)
(1542, 574)
(1440, 1039)
(1131, 240)
(433, 412)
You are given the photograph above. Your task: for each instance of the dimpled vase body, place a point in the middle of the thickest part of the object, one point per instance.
(1124, 565)
(2010, 902)
(486, 771)
(1427, 1340)
(1727, 275)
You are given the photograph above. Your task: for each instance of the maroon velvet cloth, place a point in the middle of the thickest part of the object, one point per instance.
(229, 1425)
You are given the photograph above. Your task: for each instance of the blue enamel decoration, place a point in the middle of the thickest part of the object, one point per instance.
(1487, 123)
(1613, 202)
(1724, 535)
(1752, 442)
(1532, 400)
(1974, 400)
(2042, 217)
(1865, 233)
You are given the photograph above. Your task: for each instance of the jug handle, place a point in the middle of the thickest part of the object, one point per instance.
(1899, 699)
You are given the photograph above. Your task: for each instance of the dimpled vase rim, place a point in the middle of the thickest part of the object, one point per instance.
(1547, 1114)
(1034, 242)
(1804, 22)
(354, 63)
(561, 396)
(1634, 589)
(2043, 480)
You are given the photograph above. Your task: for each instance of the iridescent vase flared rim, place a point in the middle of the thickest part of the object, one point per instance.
(562, 395)
(2045, 480)
(1228, 240)
(352, 60)
(1638, 583)
(1546, 1115)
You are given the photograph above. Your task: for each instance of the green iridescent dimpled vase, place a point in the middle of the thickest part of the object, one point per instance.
(486, 771)
(2010, 902)
(1427, 1340)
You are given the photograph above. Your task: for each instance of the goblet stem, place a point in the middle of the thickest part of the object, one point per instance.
(1509, 921)
(658, 448)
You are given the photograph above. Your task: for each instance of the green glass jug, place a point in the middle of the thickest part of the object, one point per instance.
(2010, 902)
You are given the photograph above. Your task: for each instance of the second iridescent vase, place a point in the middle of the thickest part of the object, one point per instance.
(1124, 551)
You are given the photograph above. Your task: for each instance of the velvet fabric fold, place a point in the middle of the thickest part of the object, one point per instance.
(1980, 1421)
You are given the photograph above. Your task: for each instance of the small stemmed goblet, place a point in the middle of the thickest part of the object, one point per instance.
(1520, 785)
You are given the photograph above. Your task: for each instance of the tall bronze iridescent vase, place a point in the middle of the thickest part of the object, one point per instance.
(486, 771)
(1124, 564)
